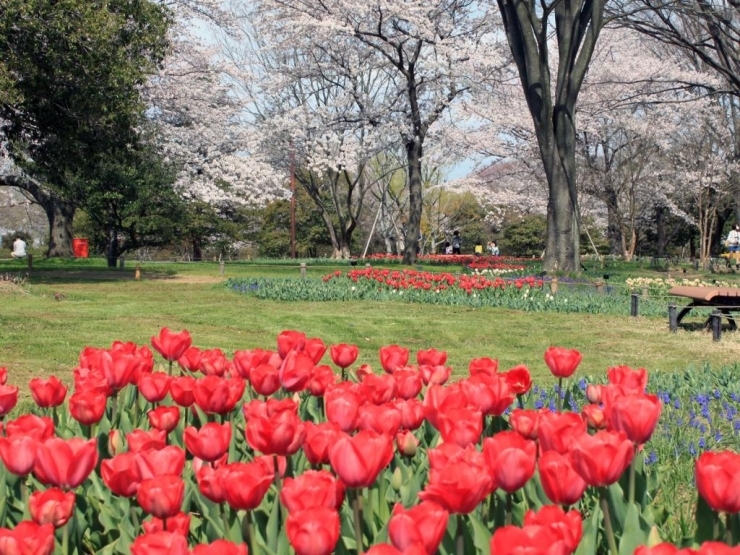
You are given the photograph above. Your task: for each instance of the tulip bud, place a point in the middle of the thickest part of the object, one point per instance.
(407, 443)
(397, 479)
(594, 417)
(593, 393)
(115, 443)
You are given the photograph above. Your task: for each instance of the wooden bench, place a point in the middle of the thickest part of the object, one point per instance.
(726, 299)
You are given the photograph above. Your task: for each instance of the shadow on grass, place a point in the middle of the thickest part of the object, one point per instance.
(71, 276)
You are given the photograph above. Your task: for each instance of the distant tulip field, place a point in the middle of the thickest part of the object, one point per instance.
(276, 451)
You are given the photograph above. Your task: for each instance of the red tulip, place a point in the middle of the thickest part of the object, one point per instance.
(40, 428)
(121, 474)
(19, 453)
(52, 506)
(172, 345)
(178, 524)
(562, 362)
(594, 417)
(519, 379)
(91, 379)
(265, 379)
(567, 526)
(210, 442)
(295, 371)
(511, 459)
(664, 549)
(492, 394)
(319, 438)
(164, 418)
(462, 426)
(321, 378)
(87, 407)
(458, 482)
(312, 489)
(315, 348)
(160, 543)
(181, 390)
(154, 386)
(560, 482)
(213, 362)
(142, 440)
(387, 549)
(431, 357)
(8, 399)
(47, 393)
(244, 361)
(279, 433)
(717, 477)
(434, 374)
(156, 462)
(593, 393)
(359, 459)
(408, 383)
(556, 431)
(27, 538)
(636, 415)
(3, 375)
(406, 443)
(632, 380)
(424, 524)
(290, 340)
(65, 464)
(161, 496)
(190, 359)
(601, 459)
(484, 365)
(210, 482)
(439, 398)
(218, 395)
(525, 422)
(530, 540)
(247, 484)
(342, 407)
(91, 357)
(344, 355)
(313, 532)
(120, 368)
(412, 413)
(383, 419)
(392, 357)
(380, 389)
(220, 547)
(362, 371)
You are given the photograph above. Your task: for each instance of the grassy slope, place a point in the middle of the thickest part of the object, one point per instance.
(41, 335)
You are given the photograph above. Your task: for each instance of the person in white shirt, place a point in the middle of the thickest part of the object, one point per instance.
(19, 248)
(733, 244)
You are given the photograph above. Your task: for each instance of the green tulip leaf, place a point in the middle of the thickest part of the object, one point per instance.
(481, 535)
(635, 532)
(590, 537)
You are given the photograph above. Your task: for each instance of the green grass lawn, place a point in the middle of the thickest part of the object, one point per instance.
(65, 306)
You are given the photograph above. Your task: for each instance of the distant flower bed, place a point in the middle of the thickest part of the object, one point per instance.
(660, 286)
(472, 261)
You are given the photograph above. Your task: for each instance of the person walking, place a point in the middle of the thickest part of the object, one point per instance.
(733, 244)
(456, 242)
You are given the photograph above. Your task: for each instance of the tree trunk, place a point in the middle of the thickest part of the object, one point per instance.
(61, 215)
(411, 241)
(662, 239)
(112, 248)
(197, 249)
(613, 227)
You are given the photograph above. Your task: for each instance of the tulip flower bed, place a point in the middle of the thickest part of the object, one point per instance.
(470, 260)
(441, 288)
(271, 452)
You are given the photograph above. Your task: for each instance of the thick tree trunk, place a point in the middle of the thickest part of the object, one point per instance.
(112, 250)
(61, 215)
(613, 227)
(411, 241)
(59, 212)
(563, 238)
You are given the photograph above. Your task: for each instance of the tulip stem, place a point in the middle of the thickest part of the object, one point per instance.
(508, 509)
(248, 531)
(459, 540)
(728, 529)
(65, 537)
(492, 509)
(631, 497)
(225, 520)
(608, 523)
(344, 374)
(560, 399)
(169, 371)
(357, 510)
(134, 516)
(114, 409)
